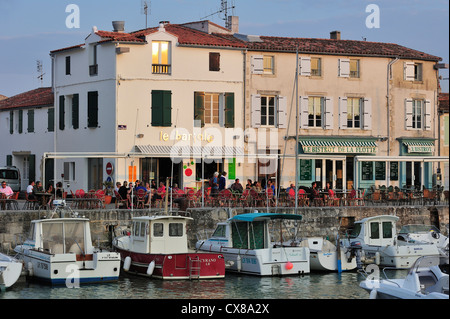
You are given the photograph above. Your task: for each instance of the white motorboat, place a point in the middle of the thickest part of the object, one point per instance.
(10, 271)
(60, 251)
(417, 233)
(325, 256)
(245, 242)
(424, 280)
(376, 239)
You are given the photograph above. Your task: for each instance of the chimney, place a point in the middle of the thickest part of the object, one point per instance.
(233, 23)
(162, 25)
(119, 26)
(335, 35)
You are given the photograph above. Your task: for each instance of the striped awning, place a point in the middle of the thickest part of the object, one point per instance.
(419, 146)
(339, 146)
(187, 151)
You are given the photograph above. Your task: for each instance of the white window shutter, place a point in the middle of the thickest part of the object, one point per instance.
(257, 64)
(305, 66)
(408, 70)
(427, 115)
(342, 113)
(304, 112)
(256, 110)
(409, 114)
(344, 68)
(367, 113)
(328, 110)
(282, 112)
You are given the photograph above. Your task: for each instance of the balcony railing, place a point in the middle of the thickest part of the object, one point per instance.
(93, 69)
(161, 68)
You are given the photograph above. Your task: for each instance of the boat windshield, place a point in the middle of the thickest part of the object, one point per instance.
(220, 231)
(407, 229)
(426, 262)
(354, 233)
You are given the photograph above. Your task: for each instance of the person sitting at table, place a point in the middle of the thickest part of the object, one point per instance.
(6, 190)
(59, 190)
(257, 187)
(236, 186)
(30, 190)
(139, 186)
(315, 195)
(38, 191)
(125, 193)
(249, 184)
(291, 190)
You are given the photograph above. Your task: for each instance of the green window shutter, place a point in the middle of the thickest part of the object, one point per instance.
(61, 112)
(199, 107)
(75, 111)
(30, 121)
(20, 121)
(93, 109)
(11, 122)
(229, 109)
(161, 108)
(51, 119)
(8, 160)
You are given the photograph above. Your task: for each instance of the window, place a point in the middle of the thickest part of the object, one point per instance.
(30, 121)
(267, 110)
(354, 112)
(175, 229)
(93, 66)
(220, 231)
(374, 230)
(316, 66)
(387, 230)
(158, 229)
(214, 108)
(268, 64)
(418, 114)
(69, 171)
(161, 108)
(262, 64)
(51, 119)
(93, 109)
(316, 112)
(412, 71)
(67, 65)
(315, 109)
(161, 57)
(354, 68)
(214, 61)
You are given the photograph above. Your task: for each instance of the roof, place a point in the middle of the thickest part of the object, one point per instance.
(335, 47)
(192, 37)
(37, 97)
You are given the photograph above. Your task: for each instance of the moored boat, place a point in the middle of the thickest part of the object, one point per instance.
(425, 280)
(158, 247)
(10, 271)
(245, 241)
(60, 251)
(375, 240)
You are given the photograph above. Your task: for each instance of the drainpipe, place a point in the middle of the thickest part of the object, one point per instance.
(388, 103)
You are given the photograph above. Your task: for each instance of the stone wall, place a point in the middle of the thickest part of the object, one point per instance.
(317, 221)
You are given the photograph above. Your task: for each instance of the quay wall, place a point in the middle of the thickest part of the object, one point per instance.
(317, 221)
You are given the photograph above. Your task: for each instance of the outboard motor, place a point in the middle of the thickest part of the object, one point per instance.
(356, 250)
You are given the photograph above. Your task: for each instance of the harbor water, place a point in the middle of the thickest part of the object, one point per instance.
(233, 286)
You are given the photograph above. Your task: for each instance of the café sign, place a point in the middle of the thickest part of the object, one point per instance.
(318, 147)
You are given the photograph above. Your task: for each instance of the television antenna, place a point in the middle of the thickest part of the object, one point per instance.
(145, 9)
(40, 71)
(224, 10)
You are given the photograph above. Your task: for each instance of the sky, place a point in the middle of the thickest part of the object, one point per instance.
(30, 29)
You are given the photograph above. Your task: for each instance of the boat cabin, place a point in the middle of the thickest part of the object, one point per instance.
(159, 234)
(61, 236)
(375, 231)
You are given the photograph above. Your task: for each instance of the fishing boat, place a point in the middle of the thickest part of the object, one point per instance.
(60, 251)
(245, 241)
(375, 240)
(10, 271)
(425, 280)
(158, 247)
(325, 256)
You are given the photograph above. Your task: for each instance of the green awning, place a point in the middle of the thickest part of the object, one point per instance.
(339, 143)
(338, 146)
(421, 143)
(419, 146)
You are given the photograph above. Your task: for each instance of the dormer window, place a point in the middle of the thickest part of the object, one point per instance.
(161, 57)
(93, 66)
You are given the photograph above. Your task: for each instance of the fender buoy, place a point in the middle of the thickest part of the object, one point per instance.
(151, 267)
(239, 263)
(30, 271)
(127, 263)
(289, 265)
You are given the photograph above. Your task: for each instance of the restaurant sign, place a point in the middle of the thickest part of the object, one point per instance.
(335, 149)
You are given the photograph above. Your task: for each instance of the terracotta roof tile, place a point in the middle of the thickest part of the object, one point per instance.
(36, 97)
